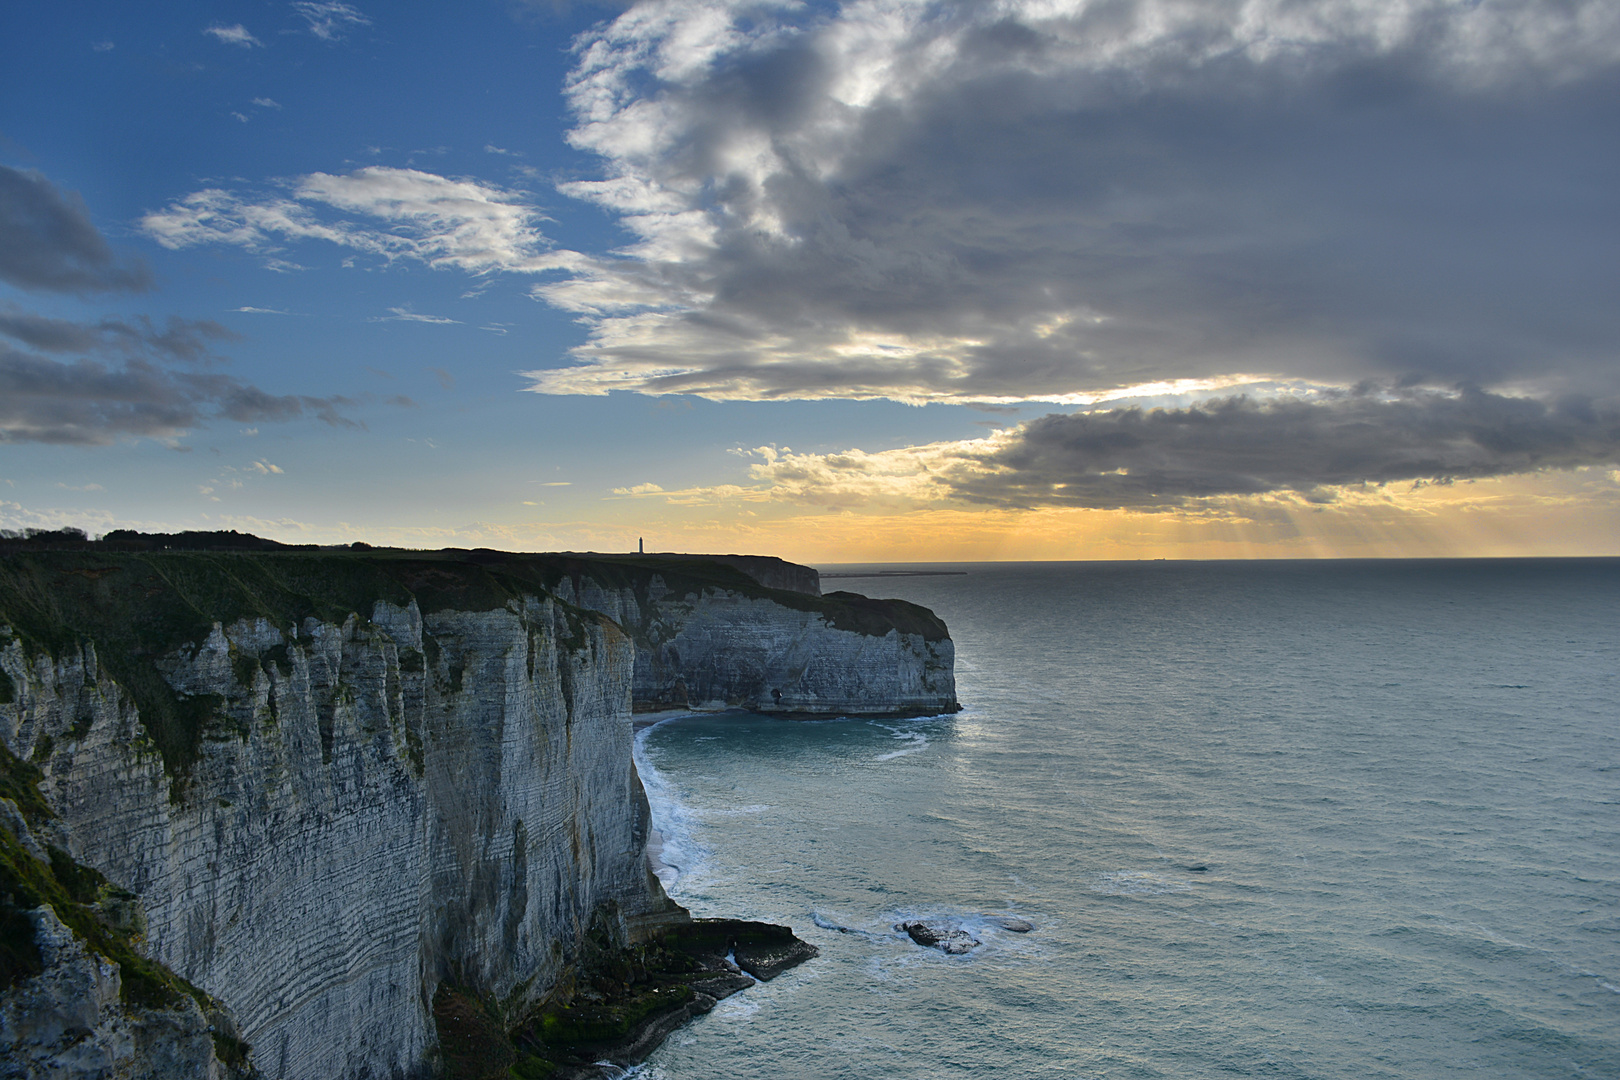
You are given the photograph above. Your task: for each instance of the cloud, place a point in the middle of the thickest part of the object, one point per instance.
(405, 314)
(248, 309)
(385, 212)
(47, 241)
(1159, 459)
(1032, 201)
(187, 340)
(234, 35)
(639, 490)
(446, 380)
(266, 103)
(99, 381)
(102, 46)
(87, 402)
(329, 21)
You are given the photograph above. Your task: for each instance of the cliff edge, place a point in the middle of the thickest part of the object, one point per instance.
(334, 781)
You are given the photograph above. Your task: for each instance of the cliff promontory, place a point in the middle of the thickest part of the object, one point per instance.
(319, 787)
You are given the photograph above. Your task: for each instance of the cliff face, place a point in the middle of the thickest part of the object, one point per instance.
(711, 643)
(71, 1020)
(336, 782)
(375, 806)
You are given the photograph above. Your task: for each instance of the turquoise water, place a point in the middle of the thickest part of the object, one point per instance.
(1279, 820)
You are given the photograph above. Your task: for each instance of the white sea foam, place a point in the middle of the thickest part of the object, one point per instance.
(676, 855)
(916, 741)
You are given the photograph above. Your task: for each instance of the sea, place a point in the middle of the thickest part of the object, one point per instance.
(1268, 819)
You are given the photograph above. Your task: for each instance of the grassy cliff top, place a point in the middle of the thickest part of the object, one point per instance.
(139, 596)
(157, 591)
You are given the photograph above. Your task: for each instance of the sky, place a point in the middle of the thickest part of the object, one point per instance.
(875, 281)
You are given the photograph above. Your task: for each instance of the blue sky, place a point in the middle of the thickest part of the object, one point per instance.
(879, 280)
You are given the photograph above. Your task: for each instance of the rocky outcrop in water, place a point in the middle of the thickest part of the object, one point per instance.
(936, 934)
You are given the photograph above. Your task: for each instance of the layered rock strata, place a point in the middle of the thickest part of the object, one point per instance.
(337, 781)
(375, 805)
(708, 642)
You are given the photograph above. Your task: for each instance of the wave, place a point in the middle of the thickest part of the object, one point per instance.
(673, 848)
(916, 741)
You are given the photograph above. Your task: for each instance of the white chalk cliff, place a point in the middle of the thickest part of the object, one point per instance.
(410, 795)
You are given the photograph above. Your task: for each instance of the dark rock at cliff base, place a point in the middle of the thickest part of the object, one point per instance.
(764, 950)
(766, 962)
(623, 1002)
(722, 984)
(1008, 922)
(935, 934)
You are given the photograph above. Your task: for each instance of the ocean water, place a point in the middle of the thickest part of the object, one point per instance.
(1273, 820)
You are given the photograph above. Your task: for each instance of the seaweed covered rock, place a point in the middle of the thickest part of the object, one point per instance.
(621, 1003)
(936, 934)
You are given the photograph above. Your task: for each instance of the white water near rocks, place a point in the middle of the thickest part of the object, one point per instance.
(1282, 820)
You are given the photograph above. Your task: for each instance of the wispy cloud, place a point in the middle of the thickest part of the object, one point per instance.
(639, 490)
(236, 34)
(405, 314)
(99, 381)
(91, 403)
(388, 213)
(329, 21)
(248, 309)
(187, 340)
(266, 103)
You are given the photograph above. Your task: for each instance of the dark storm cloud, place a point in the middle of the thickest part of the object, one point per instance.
(91, 403)
(47, 241)
(966, 202)
(1237, 446)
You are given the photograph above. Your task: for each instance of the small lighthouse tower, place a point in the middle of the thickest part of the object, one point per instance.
(641, 546)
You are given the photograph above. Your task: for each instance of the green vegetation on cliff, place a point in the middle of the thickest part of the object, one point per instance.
(615, 1002)
(137, 597)
(103, 915)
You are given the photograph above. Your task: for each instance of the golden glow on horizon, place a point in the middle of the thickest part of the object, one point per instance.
(1552, 514)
